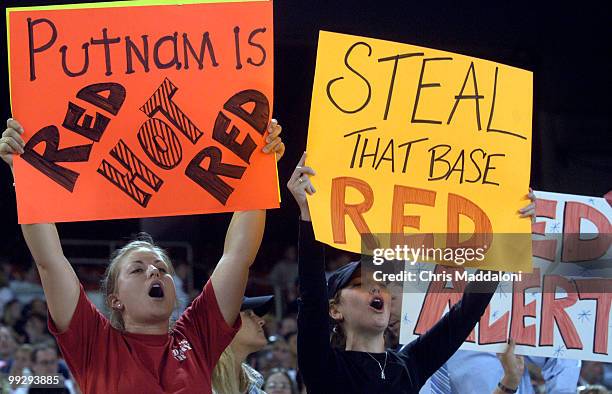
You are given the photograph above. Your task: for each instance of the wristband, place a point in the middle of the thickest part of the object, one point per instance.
(506, 389)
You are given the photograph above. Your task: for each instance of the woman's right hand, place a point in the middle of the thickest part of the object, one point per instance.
(299, 184)
(11, 142)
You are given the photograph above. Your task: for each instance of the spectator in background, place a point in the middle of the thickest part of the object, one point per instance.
(336, 262)
(182, 297)
(593, 389)
(28, 288)
(287, 325)
(607, 376)
(560, 375)
(592, 373)
(21, 365)
(231, 374)
(35, 328)
(279, 381)
(291, 299)
(38, 306)
(284, 271)
(12, 313)
(6, 294)
(282, 279)
(281, 354)
(292, 342)
(184, 272)
(264, 361)
(45, 362)
(8, 345)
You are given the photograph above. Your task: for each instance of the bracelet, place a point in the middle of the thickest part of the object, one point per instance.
(506, 389)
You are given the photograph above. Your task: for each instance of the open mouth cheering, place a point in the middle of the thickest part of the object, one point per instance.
(156, 291)
(377, 303)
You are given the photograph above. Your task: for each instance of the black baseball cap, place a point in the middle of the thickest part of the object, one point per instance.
(341, 277)
(260, 305)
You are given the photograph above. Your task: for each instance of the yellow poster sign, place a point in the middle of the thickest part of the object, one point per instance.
(411, 140)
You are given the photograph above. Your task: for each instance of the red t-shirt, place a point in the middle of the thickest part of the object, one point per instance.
(105, 360)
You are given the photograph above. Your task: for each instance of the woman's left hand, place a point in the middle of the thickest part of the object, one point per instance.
(274, 143)
(529, 210)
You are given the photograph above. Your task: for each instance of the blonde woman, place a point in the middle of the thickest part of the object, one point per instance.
(136, 351)
(232, 375)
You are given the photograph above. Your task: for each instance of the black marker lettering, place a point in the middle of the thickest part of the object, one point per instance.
(489, 128)
(258, 118)
(106, 42)
(205, 45)
(237, 45)
(259, 46)
(136, 169)
(422, 85)
(174, 60)
(142, 56)
(396, 60)
(244, 150)
(83, 70)
(161, 101)
(435, 158)
(159, 142)
(34, 50)
(330, 83)
(52, 155)
(209, 178)
(474, 97)
(110, 102)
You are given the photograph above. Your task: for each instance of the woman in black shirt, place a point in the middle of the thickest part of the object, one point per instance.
(360, 312)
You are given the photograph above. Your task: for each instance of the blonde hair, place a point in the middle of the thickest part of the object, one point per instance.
(109, 282)
(224, 374)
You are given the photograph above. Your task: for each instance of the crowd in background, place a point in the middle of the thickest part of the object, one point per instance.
(27, 348)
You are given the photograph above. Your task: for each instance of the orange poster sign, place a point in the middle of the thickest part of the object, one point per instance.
(142, 109)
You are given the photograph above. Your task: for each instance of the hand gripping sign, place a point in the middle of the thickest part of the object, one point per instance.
(142, 108)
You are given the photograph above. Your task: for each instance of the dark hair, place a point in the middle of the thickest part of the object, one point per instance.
(3, 279)
(338, 336)
(39, 348)
(38, 316)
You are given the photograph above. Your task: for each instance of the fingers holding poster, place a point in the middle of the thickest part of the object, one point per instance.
(122, 113)
(416, 140)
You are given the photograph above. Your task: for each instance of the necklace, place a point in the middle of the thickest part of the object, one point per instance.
(382, 367)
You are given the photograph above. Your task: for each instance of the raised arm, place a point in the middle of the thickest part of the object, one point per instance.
(450, 332)
(313, 317)
(447, 335)
(59, 280)
(229, 278)
(242, 242)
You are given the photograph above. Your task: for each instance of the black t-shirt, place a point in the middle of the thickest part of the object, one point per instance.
(329, 370)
